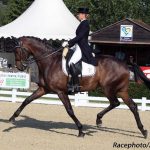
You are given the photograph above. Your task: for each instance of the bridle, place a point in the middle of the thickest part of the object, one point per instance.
(29, 59)
(22, 51)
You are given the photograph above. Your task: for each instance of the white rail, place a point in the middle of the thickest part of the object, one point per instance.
(76, 100)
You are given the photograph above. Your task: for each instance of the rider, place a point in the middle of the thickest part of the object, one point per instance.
(82, 48)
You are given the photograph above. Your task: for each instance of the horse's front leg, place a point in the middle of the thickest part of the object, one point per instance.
(65, 100)
(36, 94)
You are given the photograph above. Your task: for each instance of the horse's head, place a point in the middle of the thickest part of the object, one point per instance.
(22, 53)
(30, 46)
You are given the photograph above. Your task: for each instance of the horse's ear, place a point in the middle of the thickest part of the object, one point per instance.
(14, 38)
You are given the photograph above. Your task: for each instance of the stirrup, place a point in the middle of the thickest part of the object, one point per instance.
(73, 89)
(77, 88)
(70, 89)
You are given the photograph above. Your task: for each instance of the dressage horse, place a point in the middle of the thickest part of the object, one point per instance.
(111, 75)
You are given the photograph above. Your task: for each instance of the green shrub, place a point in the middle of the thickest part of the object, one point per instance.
(135, 91)
(138, 90)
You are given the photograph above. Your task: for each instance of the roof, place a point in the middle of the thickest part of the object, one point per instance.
(111, 33)
(48, 19)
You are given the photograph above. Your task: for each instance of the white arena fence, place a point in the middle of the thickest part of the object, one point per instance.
(80, 99)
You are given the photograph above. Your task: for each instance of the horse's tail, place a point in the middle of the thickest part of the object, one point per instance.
(139, 73)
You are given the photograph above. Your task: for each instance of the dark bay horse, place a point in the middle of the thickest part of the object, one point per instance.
(111, 74)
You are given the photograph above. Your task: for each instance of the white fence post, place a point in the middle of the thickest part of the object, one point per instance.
(14, 95)
(76, 100)
(143, 104)
(81, 98)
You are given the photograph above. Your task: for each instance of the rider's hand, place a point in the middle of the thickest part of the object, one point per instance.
(65, 44)
(65, 51)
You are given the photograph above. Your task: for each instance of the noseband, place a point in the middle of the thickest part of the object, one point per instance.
(23, 53)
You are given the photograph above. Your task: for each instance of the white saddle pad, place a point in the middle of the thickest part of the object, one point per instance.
(87, 69)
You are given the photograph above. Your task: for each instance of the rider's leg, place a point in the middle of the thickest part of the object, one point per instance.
(77, 55)
(75, 77)
(74, 59)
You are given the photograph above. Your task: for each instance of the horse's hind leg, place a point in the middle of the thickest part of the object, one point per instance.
(133, 107)
(38, 93)
(113, 103)
(65, 100)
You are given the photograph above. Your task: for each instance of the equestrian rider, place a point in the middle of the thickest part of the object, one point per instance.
(82, 49)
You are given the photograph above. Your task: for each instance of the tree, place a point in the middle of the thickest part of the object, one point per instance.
(4, 1)
(106, 12)
(145, 11)
(102, 12)
(15, 8)
(2, 13)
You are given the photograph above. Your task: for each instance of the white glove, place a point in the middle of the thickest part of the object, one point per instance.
(65, 51)
(93, 54)
(65, 44)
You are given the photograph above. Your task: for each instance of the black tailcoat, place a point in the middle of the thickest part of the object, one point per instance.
(81, 39)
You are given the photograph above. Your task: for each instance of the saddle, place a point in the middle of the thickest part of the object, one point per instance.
(74, 71)
(83, 68)
(78, 65)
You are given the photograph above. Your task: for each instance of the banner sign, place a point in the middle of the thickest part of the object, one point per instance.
(126, 32)
(14, 80)
(146, 71)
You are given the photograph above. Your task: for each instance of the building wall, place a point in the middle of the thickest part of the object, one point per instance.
(141, 54)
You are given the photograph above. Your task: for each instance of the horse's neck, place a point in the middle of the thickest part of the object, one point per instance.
(42, 54)
(39, 52)
(49, 61)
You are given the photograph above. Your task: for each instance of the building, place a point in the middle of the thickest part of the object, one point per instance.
(123, 39)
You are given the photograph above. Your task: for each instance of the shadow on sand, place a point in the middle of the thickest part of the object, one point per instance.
(27, 122)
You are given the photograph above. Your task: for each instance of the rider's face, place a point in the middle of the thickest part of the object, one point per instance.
(81, 16)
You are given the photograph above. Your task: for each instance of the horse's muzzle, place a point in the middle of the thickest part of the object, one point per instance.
(21, 66)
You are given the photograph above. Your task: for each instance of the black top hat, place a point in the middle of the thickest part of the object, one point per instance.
(83, 10)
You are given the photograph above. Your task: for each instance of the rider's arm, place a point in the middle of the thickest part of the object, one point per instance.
(83, 31)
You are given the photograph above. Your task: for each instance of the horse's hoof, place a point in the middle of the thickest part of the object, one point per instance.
(145, 134)
(99, 123)
(82, 134)
(12, 120)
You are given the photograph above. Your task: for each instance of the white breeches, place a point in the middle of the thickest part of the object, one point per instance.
(77, 55)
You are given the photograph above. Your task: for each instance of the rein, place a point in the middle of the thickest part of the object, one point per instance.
(45, 55)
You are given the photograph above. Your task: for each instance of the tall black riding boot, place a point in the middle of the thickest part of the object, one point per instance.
(75, 80)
